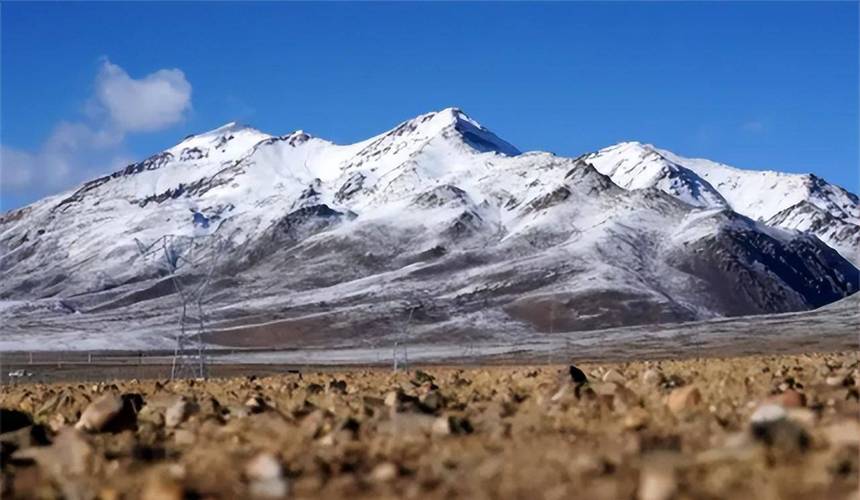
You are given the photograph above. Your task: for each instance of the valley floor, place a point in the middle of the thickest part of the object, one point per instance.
(771, 427)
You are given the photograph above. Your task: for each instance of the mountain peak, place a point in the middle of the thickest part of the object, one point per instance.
(449, 124)
(455, 115)
(451, 111)
(228, 128)
(470, 131)
(640, 148)
(438, 120)
(232, 137)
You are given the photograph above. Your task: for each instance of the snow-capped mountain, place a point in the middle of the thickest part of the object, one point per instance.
(437, 222)
(803, 202)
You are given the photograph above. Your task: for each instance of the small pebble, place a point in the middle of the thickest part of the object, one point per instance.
(266, 477)
(657, 482)
(176, 412)
(613, 375)
(384, 472)
(651, 377)
(99, 413)
(768, 413)
(683, 399)
(441, 427)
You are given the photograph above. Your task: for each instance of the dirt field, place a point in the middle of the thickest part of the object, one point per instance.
(749, 427)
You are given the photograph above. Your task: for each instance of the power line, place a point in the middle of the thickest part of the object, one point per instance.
(190, 258)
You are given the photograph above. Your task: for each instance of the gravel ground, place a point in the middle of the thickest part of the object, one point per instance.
(767, 427)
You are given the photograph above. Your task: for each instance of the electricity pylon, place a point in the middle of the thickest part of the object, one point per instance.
(187, 256)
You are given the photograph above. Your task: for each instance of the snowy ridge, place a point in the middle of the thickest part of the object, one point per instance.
(802, 202)
(633, 165)
(438, 211)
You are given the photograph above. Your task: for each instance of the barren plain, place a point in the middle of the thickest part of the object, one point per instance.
(769, 427)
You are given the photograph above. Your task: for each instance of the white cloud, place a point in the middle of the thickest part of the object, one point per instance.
(79, 150)
(75, 136)
(72, 154)
(153, 102)
(753, 127)
(16, 171)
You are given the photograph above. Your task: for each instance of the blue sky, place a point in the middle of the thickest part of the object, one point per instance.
(87, 87)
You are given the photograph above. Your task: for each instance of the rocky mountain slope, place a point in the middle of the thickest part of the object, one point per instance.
(437, 223)
(803, 202)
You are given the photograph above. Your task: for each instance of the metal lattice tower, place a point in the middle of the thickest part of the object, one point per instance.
(188, 259)
(401, 346)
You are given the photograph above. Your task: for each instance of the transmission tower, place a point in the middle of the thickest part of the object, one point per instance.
(191, 258)
(401, 345)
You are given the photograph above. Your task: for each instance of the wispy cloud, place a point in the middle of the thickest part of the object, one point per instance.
(753, 127)
(95, 143)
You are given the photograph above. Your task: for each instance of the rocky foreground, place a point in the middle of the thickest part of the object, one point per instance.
(754, 427)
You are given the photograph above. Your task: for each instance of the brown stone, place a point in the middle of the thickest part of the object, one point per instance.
(432, 401)
(843, 433)
(184, 437)
(158, 488)
(613, 375)
(657, 480)
(100, 412)
(177, 412)
(651, 377)
(71, 461)
(441, 427)
(683, 399)
(266, 476)
(636, 418)
(789, 399)
(384, 472)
